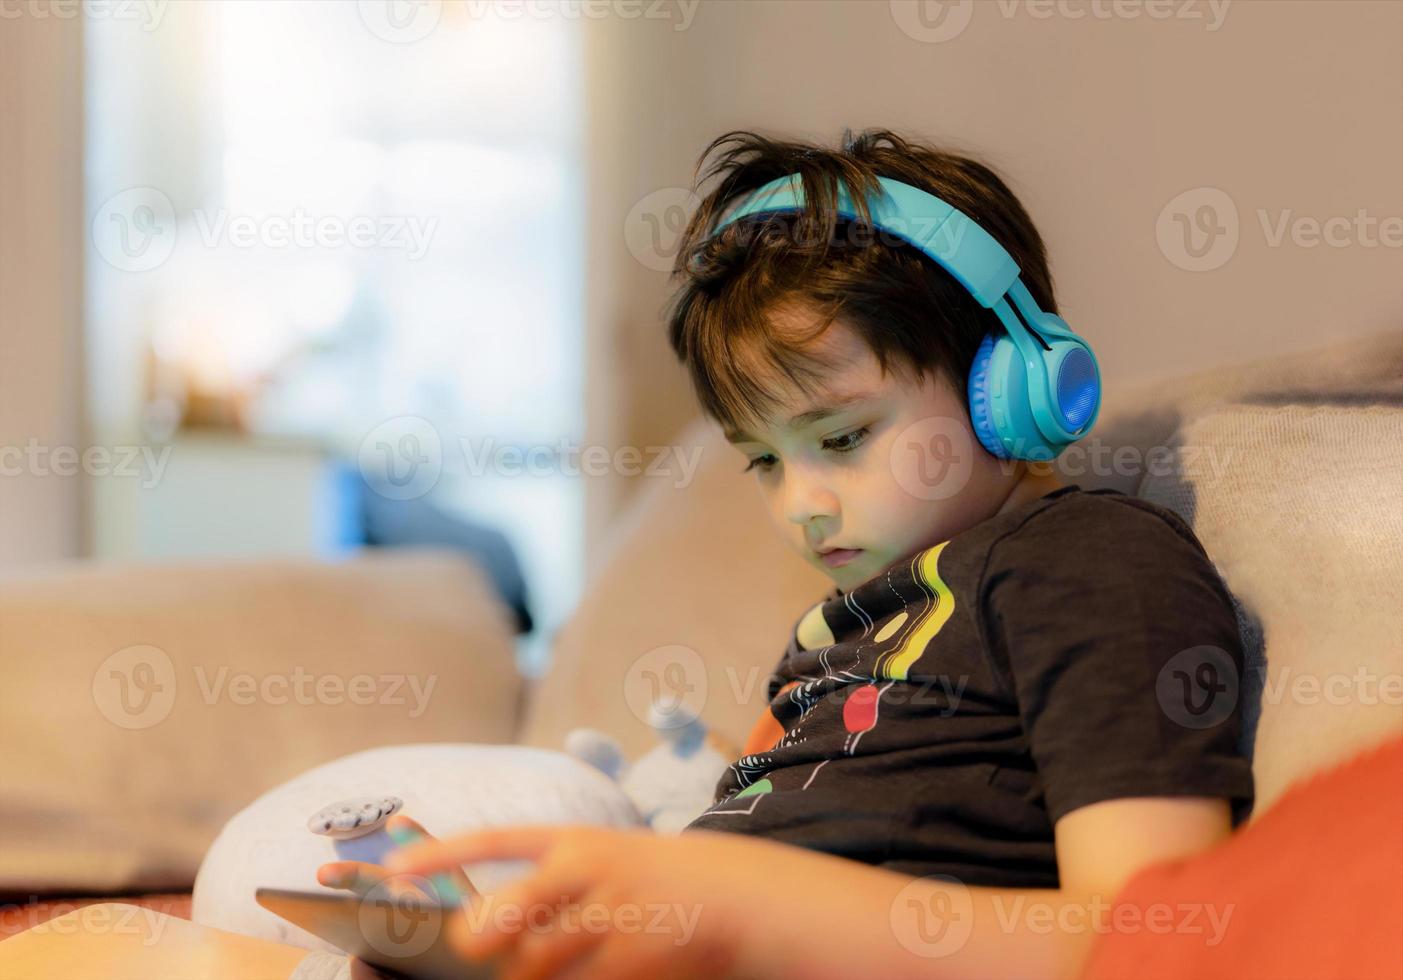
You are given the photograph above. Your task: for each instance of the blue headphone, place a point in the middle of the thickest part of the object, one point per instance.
(1032, 391)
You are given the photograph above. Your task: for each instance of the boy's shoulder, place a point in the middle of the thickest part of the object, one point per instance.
(1075, 535)
(1071, 511)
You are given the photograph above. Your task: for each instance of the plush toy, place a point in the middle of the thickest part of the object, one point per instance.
(673, 783)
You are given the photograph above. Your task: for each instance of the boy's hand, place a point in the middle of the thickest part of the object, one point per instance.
(630, 903)
(361, 877)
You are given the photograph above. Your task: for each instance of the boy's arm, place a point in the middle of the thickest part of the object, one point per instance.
(1102, 845)
(711, 904)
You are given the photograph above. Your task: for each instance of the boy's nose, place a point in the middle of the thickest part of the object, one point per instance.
(806, 499)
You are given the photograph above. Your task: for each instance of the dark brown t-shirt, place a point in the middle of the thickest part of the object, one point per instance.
(942, 716)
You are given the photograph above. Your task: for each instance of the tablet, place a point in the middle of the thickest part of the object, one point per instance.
(401, 935)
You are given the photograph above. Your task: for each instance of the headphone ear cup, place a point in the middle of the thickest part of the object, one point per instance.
(981, 412)
(1076, 389)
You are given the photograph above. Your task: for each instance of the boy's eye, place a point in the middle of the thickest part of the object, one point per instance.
(847, 442)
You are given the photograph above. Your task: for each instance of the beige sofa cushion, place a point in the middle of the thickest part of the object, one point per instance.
(1137, 421)
(1301, 508)
(142, 706)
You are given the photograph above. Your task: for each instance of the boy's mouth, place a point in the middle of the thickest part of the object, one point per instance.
(837, 557)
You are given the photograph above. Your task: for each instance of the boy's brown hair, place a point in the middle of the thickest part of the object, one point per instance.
(745, 295)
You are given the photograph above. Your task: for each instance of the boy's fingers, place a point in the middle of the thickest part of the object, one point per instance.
(527, 897)
(340, 874)
(499, 844)
(403, 821)
(362, 878)
(403, 828)
(541, 955)
(355, 876)
(621, 955)
(516, 912)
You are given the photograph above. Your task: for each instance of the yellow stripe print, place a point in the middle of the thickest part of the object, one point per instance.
(940, 603)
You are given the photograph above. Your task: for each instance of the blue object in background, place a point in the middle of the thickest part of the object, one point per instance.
(357, 516)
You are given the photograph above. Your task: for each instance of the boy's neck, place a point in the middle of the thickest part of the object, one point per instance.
(1031, 486)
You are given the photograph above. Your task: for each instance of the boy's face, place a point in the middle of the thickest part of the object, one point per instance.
(878, 466)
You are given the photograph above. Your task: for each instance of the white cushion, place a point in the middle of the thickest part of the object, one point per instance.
(449, 789)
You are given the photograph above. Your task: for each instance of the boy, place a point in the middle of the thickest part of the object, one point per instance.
(985, 699)
(972, 741)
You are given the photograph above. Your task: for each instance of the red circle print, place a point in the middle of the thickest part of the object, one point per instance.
(860, 710)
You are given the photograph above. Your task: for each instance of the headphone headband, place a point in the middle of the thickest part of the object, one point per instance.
(940, 230)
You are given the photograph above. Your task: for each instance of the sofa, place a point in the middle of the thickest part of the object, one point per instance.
(1289, 468)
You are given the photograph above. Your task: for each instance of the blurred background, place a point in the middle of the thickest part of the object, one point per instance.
(293, 278)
